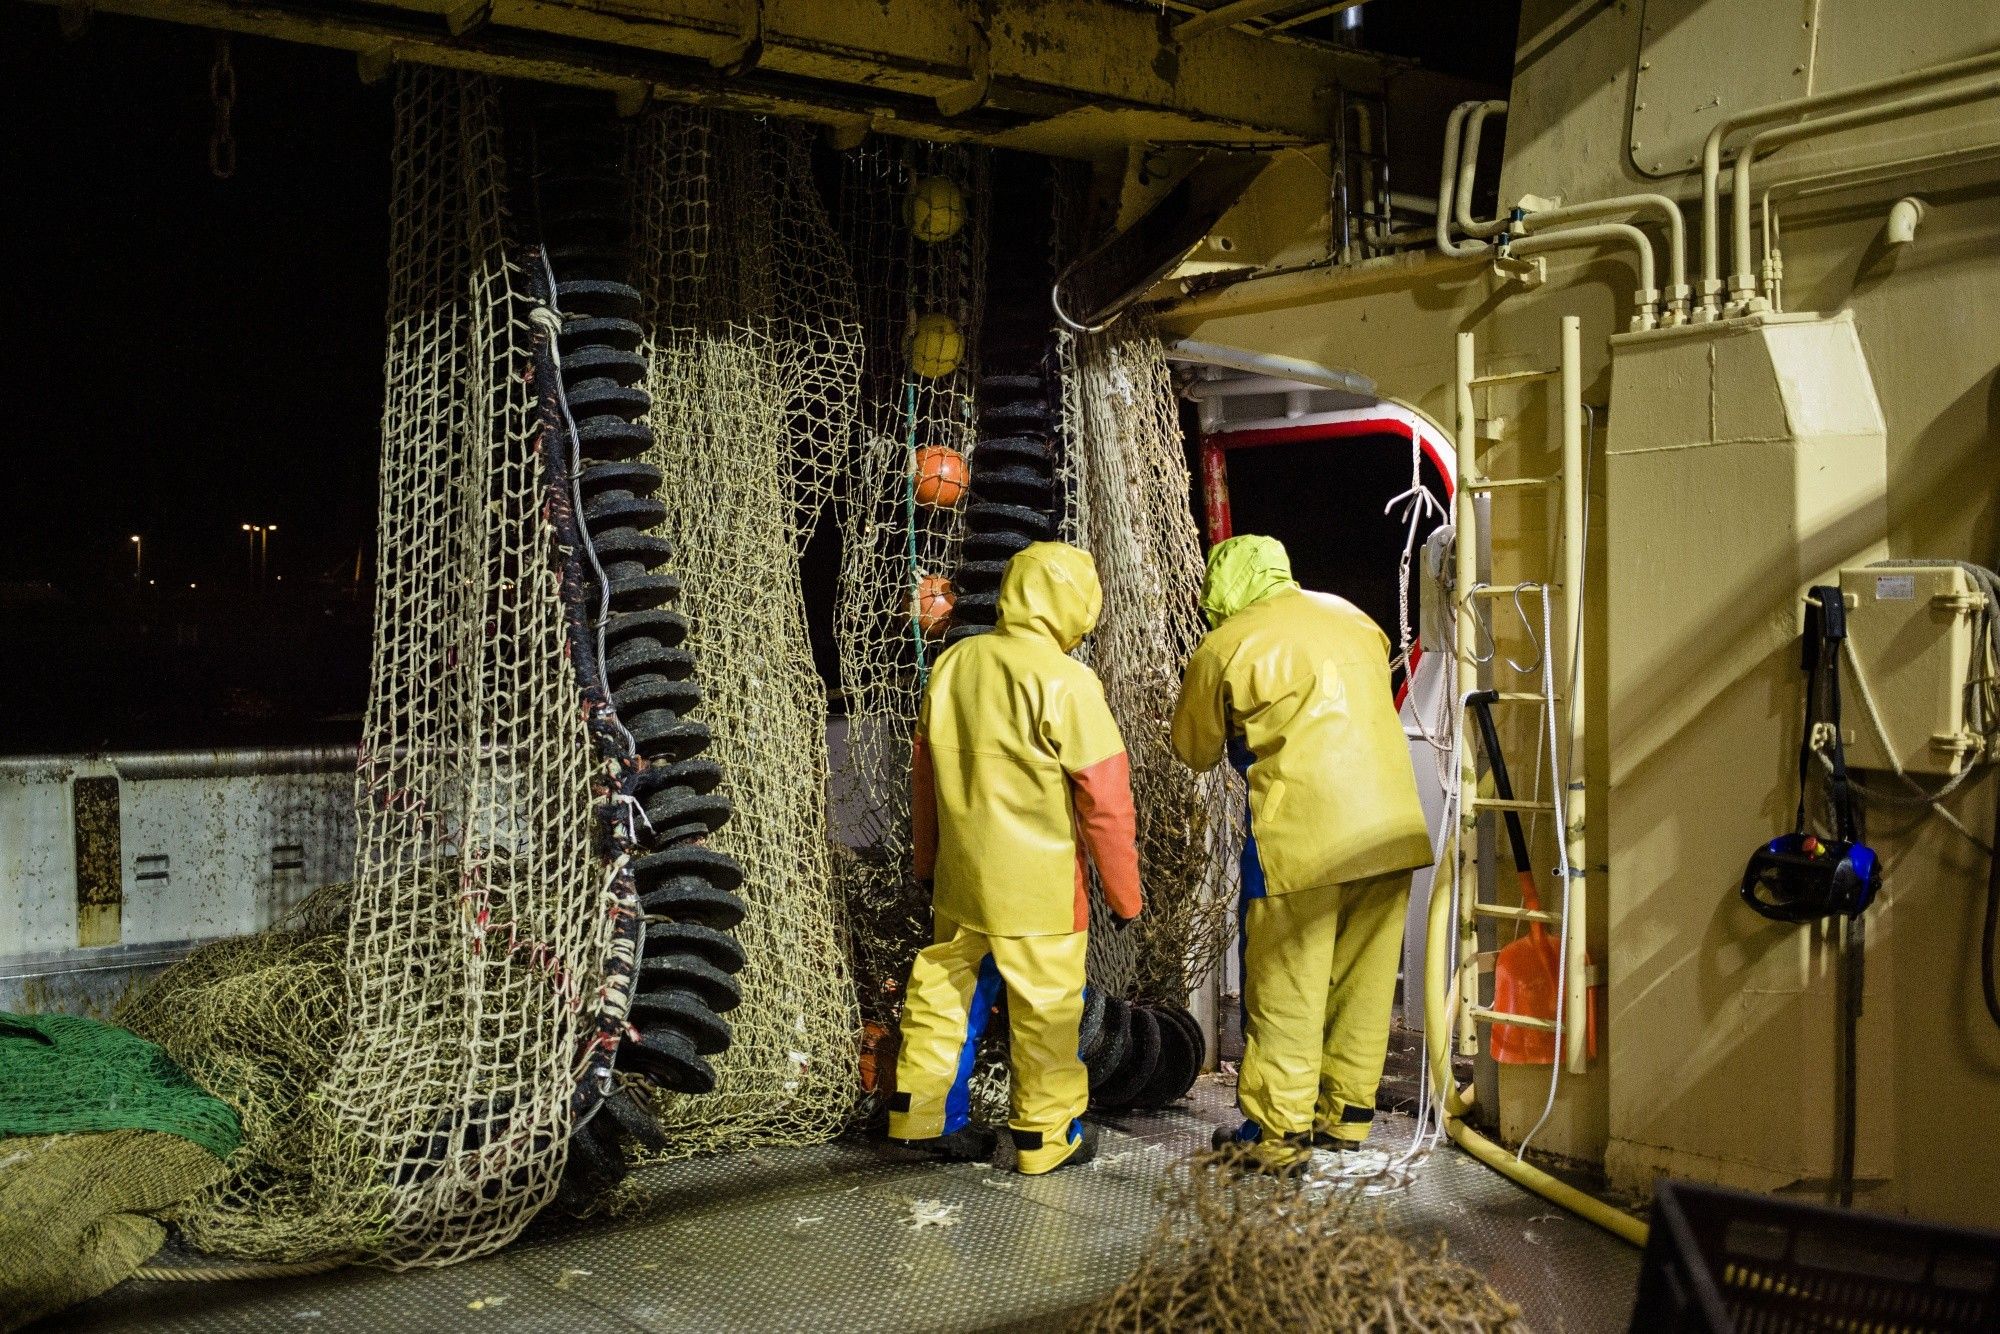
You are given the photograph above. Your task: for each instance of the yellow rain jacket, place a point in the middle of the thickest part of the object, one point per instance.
(1018, 764)
(1303, 678)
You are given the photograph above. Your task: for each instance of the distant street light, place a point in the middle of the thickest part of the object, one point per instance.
(138, 557)
(260, 548)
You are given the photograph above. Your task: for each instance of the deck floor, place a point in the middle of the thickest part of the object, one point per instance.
(823, 1239)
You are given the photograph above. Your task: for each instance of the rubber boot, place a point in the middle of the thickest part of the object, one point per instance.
(966, 1144)
(1254, 1151)
(1036, 1158)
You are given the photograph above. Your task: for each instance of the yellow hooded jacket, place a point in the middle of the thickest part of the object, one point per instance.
(1303, 678)
(1018, 766)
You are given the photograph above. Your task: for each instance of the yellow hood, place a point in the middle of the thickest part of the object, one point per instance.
(1243, 571)
(1050, 589)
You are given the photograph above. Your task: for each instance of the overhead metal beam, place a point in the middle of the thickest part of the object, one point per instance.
(1078, 78)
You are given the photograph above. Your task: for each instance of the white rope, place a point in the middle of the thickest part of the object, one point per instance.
(1558, 774)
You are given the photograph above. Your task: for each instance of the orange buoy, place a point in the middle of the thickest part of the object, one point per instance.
(941, 476)
(934, 603)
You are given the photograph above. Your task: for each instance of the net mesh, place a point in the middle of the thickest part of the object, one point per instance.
(1125, 449)
(424, 1119)
(912, 397)
(403, 1051)
(754, 355)
(1239, 1250)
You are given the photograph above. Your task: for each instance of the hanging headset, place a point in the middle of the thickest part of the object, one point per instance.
(1801, 877)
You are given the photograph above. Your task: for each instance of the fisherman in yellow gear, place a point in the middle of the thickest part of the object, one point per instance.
(1017, 771)
(1294, 686)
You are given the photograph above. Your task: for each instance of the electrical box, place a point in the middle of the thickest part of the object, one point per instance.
(1915, 632)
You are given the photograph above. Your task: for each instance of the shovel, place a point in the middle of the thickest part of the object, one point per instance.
(1527, 971)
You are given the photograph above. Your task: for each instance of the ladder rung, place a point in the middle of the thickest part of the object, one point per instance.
(1512, 377)
(1514, 914)
(1509, 590)
(1519, 697)
(1481, 1014)
(1507, 483)
(1511, 804)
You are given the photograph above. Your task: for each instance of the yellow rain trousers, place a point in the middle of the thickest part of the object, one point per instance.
(1295, 687)
(1017, 772)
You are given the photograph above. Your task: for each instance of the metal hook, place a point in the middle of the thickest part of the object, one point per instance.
(1528, 628)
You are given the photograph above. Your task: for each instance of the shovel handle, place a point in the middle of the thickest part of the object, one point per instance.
(1481, 703)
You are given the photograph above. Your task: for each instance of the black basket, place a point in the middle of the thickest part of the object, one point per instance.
(1726, 1260)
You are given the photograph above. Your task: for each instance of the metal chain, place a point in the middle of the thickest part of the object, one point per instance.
(222, 93)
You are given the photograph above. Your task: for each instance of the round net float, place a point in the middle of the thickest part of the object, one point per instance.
(935, 346)
(941, 476)
(934, 210)
(934, 603)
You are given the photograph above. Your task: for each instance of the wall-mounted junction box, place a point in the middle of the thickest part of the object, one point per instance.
(1915, 632)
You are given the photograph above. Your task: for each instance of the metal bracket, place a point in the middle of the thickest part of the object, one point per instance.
(979, 85)
(1530, 273)
(747, 52)
(467, 15)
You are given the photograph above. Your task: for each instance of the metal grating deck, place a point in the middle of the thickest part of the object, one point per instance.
(821, 1239)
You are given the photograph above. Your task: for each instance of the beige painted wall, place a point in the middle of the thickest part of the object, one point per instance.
(1928, 323)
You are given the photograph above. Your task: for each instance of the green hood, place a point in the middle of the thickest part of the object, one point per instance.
(1051, 589)
(1241, 572)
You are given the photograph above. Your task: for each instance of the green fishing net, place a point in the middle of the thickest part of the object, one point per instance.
(62, 1075)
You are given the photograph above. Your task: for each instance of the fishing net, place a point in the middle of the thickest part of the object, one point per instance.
(61, 1074)
(77, 1212)
(754, 356)
(914, 288)
(1125, 449)
(405, 1077)
(1247, 1252)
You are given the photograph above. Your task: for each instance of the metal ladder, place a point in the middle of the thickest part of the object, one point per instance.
(1472, 483)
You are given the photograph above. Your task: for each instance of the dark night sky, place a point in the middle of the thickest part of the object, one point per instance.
(191, 354)
(194, 354)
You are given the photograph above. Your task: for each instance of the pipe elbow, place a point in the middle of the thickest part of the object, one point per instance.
(1905, 216)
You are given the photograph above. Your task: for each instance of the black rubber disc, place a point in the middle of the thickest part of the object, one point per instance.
(593, 397)
(622, 509)
(1103, 1064)
(700, 773)
(976, 576)
(653, 691)
(668, 1058)
(686, 898)
(643, 656)
(689, 972)
(669, 627)
(976, 608)
(960, 633)
(589, 296)
(1141, 1055)
(641, 592)
(590, 362)
(718, 948)
(1174, 1073)
(706, 1031)
(994, 546)
(995, 387)
(1019, 484)
(624, 335)
(1008, 450)
(990, 516)
(1090, 1032)
(676, 808)
(663, 735)
(717, 868)
(1007, 418)
(612, 438)
(640, 479)
(622, 546)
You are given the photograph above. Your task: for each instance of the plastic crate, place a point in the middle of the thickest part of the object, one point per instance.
(1726, 1260)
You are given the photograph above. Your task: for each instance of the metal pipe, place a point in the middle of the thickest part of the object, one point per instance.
(1576, 913)
(1266, 363)
(1742, 280)
(1711, 151)
(1447, 169)
(1465, 553)
(1603, 233)
(1457, 1103)
(162, 764)
(1468, 167)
